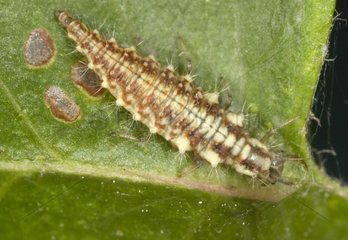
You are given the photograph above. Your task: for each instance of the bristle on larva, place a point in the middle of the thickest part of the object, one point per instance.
(169, 105)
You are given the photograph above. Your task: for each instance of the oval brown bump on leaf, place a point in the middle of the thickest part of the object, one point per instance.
(61, 105)
(39, 48)
(87, 79)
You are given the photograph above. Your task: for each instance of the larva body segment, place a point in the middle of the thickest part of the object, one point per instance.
(168, 104)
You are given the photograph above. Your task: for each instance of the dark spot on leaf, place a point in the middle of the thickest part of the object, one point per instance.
(39, 48)
(61, 106)
(87, 79)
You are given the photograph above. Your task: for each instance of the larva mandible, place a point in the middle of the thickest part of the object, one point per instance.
(168, 104)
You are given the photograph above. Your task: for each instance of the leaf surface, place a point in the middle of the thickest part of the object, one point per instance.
(100, 176)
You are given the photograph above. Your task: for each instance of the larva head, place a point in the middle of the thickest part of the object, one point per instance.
(77, 31)
(64, 18)
(275, 170)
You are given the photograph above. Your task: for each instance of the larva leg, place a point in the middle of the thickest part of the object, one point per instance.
(186, 169)
(146, 138)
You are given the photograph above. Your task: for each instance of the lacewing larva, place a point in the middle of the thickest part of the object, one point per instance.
(169, 105)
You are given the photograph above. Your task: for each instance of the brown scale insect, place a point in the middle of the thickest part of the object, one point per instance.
(168, 104)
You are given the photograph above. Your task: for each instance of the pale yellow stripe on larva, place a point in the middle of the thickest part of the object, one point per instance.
(114, 55)
(236, 119)
(97, 47)
(245, 152)
(153, 129)
(211, 156)
(212, 97)
(242, 169)
(240, 120)
(209, 120)
(223, 130)
(230, 140)
(202, 114)
(192, 120)
(136, 116)
(212, 126)
(218, 138)
(238, 146)
(164, 121)
(175, 106)
(182, 143)
(195, 122)
(207, 127)
(257, 143)
(208, 130)
(184, 112)
(120, 102)
(161, 89)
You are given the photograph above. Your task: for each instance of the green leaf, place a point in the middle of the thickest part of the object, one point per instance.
(98, 178)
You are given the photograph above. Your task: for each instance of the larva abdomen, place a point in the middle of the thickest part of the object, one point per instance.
(171, 106)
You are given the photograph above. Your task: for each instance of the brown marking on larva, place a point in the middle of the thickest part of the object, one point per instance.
(159, 125)
(134, 87)
(112, 46)
(153, 64)
(221, 149)
(39, 49)
(195, 138)
(166, 112)
(250, 165)
(87, 79)
(111, 83)
(204, 142)
(96, 37)
(150, 93)
(129, 55)
(139, 96)
(213, 108)
(155, 107)
(113, 73)
(180, 88)
(127, 99)
(75, 27)
(119, 77)
(99, 60)
(176, 131)
(261, 152)
(181, 124)
(197, 96)
(187, 86)
(237, 131)
(146, 67)
(143, 113)
(151, 99)
(60, 105)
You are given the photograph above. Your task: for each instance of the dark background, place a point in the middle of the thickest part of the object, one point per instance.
(329, 140)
